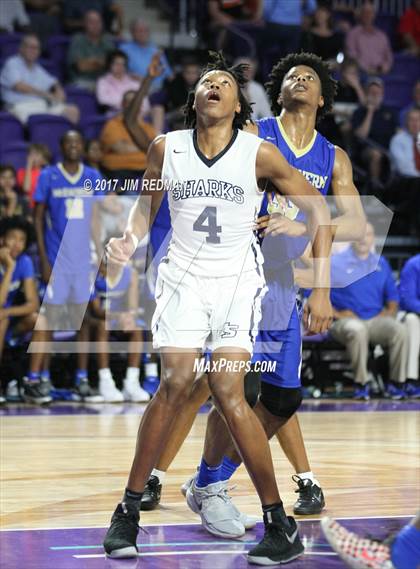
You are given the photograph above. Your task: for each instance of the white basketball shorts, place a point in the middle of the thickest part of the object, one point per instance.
(206, 312)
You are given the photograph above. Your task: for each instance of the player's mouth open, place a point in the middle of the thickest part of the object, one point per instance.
(300, 87)
(213, 96)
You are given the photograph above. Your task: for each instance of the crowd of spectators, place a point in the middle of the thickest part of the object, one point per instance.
(74, 62)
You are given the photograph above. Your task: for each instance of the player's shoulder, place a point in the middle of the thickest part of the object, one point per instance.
(24, 263)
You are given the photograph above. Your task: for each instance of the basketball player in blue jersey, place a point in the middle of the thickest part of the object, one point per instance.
(66, 220)
(212, 173)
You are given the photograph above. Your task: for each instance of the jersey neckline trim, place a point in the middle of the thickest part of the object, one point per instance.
(71, 178)
(298, 152)
(210, 161)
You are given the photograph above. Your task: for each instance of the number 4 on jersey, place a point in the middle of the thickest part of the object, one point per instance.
(210, 214)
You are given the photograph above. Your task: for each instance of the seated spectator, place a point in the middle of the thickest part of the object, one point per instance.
(12, 202)
(14, 18)
(39, 155)
(28, 89)
(410, 302)
(365, 302)
(93, 154)
(115, 308)
(409, 28)
(111, 87)
(415, 104)
(140, 52)
(350, 94)
(45, 18)
(88, 52)
(122, 157)
(18, 291)
(321, 38)
(284, 22)
(254, 91)
(169, 102)
(374, 124)
(368, 45)
(405, 147)
(74, 12)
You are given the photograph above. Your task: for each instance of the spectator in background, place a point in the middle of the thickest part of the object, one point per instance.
(140, 52)
(111, 87)
(350, 94)
(122, 157)
(18, 291)
(321, 38)
(171, 99)
(365, 301)
(74, 12)
(368, 45)
(115, 307)
(45, 18)
(13, 17)
(12, 203)
(93, 154)
(405, 147)
(374, 124)
(410, 302)
(39, 155)
(415, 104)
(88, 52)
(409, 28)
(27, 88)
(284, 21)
(254, 91)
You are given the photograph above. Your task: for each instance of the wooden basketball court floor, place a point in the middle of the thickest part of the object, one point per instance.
(63, 470)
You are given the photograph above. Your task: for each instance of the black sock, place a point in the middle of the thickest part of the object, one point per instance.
(132, 498)
(278, 510)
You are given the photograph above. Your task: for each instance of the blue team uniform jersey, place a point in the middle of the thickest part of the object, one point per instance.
(68, 218)
(114, 298)
(280, 337)
(24, 269)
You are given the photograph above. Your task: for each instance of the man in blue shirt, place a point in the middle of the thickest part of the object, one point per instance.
(410, 302)
(140, 52)
(365, 300)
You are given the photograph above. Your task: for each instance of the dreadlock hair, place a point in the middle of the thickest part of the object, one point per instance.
(217, 62)
(328, 84)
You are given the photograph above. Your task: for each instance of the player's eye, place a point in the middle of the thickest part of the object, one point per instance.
(311, 77)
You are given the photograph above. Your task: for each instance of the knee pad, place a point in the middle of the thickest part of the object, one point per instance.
(280, 401)
(252, 382)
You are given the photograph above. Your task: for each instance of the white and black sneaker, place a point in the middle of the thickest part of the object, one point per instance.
(121, 537)
(84, 392)
(280, 544)
(311, 497)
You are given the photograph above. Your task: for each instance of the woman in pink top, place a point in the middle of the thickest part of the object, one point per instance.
(111, 87)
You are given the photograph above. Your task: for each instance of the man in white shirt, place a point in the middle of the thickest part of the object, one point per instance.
(405, 145)
(254, 91)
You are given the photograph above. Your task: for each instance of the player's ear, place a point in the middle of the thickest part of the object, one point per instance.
(238, 107)
(321, 101)
(280, 100)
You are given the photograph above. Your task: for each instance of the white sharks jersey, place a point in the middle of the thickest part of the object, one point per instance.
(213, 205)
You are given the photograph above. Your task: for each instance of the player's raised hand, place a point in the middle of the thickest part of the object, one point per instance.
(155, 68)
(118, 252)
(318, 312)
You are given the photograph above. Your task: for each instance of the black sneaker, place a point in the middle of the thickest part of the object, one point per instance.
(311, 498)
(120, 539)
(35, 392)
(151, 495)
(280, 543)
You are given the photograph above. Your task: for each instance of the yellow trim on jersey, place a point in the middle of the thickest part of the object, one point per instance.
(298, 152)
(71, 178)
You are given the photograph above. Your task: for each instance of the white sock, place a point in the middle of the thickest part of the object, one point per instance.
(133, 374)
(309, 476)
(151, 369)
(159, 474)
(104, 373)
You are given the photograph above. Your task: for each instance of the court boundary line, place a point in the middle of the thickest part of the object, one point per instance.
(394, 516)
(190, 552)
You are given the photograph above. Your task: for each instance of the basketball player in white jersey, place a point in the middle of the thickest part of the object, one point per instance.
(210, 287)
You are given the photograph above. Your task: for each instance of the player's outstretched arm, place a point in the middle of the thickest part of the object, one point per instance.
(350, 225)
(142, 214)
(272, 165)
